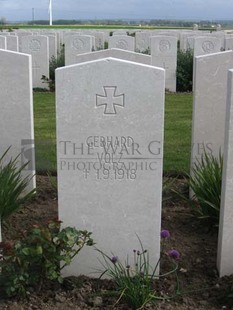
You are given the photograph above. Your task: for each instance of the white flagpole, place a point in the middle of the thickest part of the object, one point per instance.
(50, 13)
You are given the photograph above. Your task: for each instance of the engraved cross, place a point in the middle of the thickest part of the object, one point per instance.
(110, 100)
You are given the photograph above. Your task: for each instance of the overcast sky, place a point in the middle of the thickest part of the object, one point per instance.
(15, 10)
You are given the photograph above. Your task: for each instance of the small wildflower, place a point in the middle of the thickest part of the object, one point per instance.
(134, 251)
(165, 233)
(138, 252)
(114, 259)
(145, 251)
(174, 254)
(128, 266)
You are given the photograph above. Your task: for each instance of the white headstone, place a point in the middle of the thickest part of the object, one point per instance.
(12, 43)
(52, 46)
(99, 38)
(184, 36)
(209, 103)
(122, 42)
(38, 47)
(115, 53)
(2, 42)
(225, 244)
(169, 33)
(190, 43)
(20, 35)
(228, 43)
(142, 42)
(164, 55)
(109, 148)
(219, 27)
(119, 33)
(207, 45)
(16, 118)
(77, 44)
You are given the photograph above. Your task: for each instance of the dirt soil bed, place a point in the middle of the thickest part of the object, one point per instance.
(201, 287)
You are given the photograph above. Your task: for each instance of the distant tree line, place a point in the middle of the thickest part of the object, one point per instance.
(122, 22)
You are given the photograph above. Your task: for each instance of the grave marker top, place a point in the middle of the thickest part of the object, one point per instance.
(115, 53)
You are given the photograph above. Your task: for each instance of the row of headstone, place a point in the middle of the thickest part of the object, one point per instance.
(142, 38)
(162, 47)
(89, 162)
(163, 53)
(108, 157)
(105, 147)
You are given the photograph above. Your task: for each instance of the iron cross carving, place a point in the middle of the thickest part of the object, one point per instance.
(110, 100)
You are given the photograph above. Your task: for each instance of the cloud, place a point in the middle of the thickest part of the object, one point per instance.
(89, 9)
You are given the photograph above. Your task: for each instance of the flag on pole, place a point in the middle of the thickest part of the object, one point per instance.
(50, 6)
(50, 13)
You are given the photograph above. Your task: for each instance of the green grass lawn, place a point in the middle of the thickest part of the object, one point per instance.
(177, 136)
(45, 131)
(177, 144)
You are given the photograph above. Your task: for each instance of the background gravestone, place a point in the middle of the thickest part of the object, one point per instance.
(225, 244)
(20, 35)
(209, 103)
(77, 44)
(52, 46)
(16, 118)
(122, 42)
(142, 42)
(119, 33)
(229, 42)
(38, 47)
(207, 45)
(115, 53)
(164, 55)
(12, 43)
(99, 38)
(110, 150)
(2, 42)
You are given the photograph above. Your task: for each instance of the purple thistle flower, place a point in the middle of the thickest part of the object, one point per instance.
(174, 254)
(114, 259)
(165, 233)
